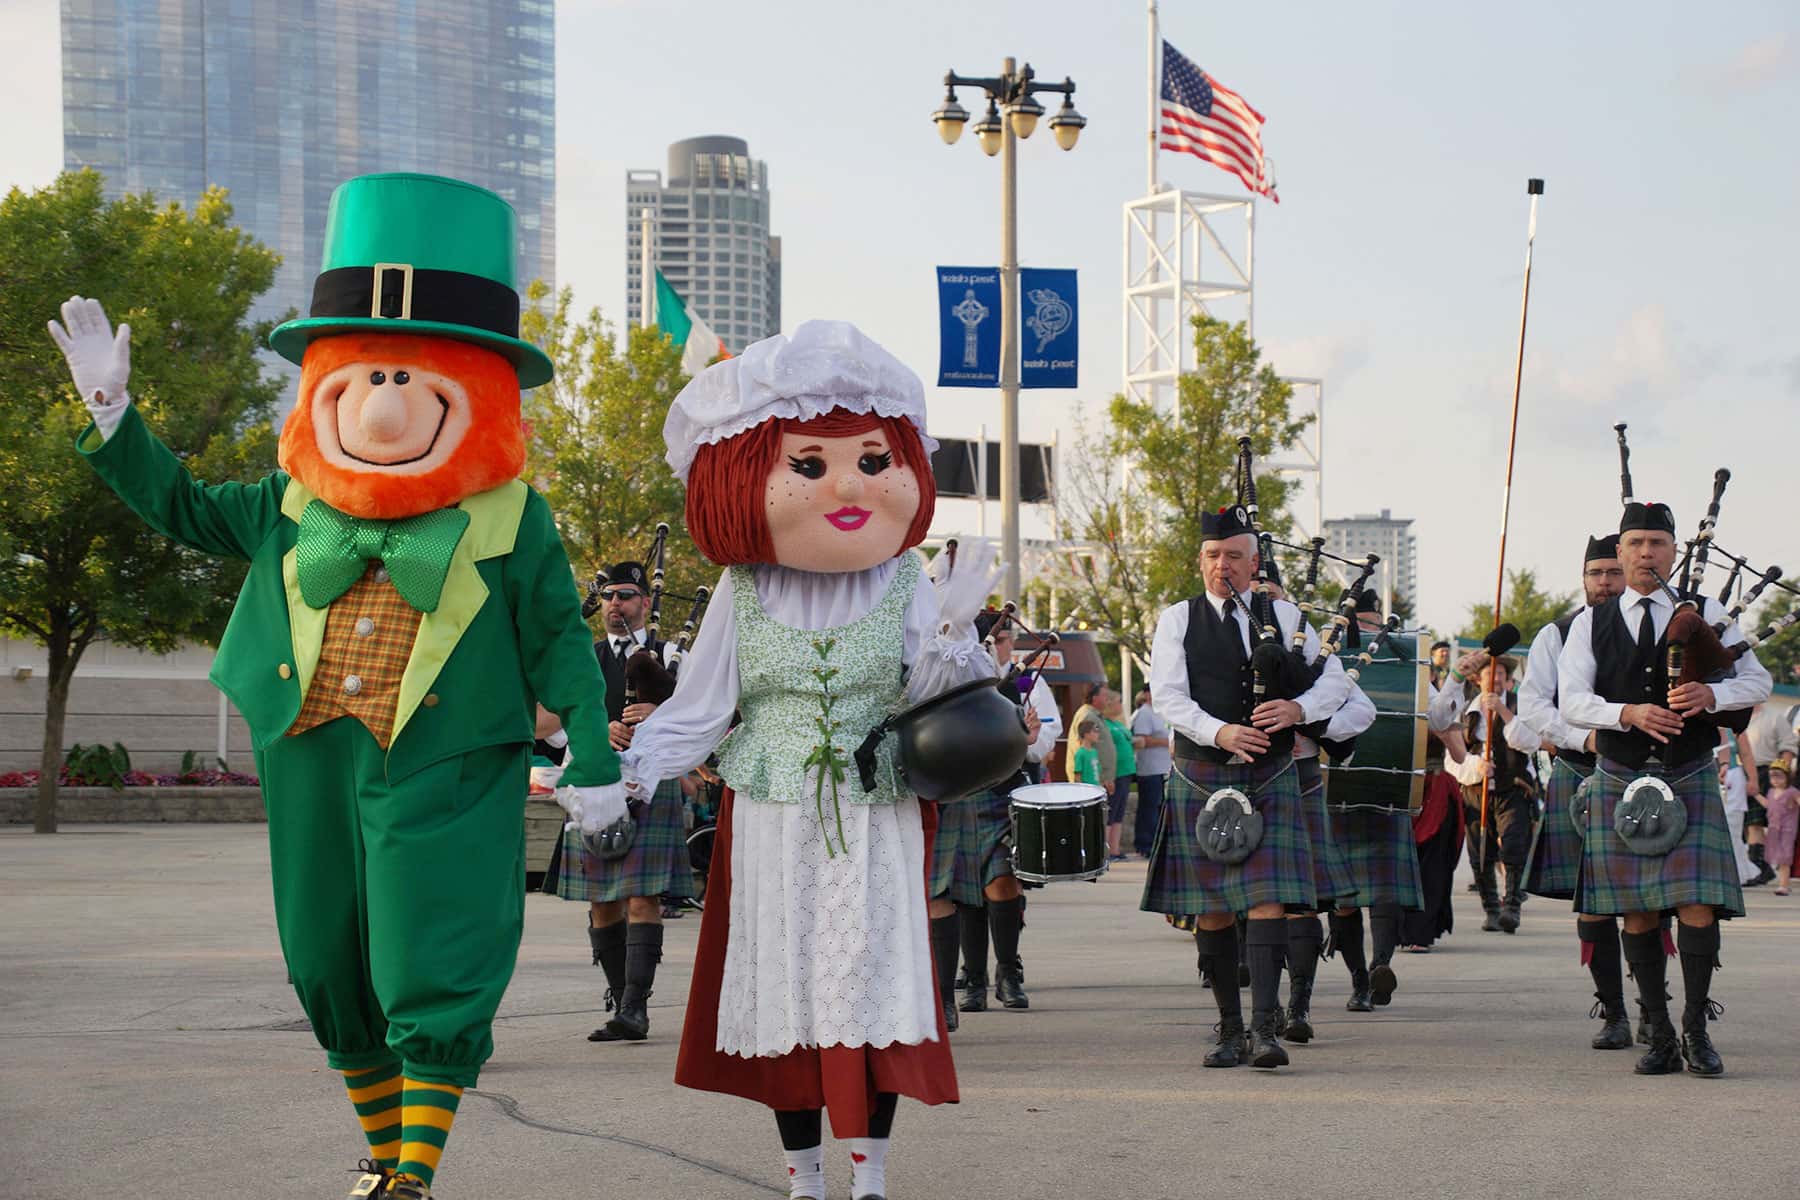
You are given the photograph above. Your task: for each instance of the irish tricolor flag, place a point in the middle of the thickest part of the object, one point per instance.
(699, 344)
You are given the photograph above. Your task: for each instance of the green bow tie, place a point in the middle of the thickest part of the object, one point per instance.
(334, 550)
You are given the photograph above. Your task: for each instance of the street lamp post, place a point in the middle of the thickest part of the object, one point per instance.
(1011, 92)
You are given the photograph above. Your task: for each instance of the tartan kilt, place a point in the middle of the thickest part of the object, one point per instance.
(973, 846)
(1383, 859)
(1182, 880)
(1555, 862)
(1701, 869)
(1332, 879)
(656, 866)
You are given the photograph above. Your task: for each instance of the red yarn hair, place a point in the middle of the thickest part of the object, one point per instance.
(491, 453)
(725, 485)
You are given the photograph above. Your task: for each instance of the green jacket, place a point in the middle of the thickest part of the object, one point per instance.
(507, 630)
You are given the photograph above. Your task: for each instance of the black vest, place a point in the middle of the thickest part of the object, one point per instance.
(1220, 681)
(1621, 677)
(614, 672)
(1509, 764)
(1580, 758)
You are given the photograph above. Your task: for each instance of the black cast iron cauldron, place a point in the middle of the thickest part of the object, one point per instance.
(955, 744)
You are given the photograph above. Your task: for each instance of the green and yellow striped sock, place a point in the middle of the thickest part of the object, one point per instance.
(426, 1114)
(376, 1095)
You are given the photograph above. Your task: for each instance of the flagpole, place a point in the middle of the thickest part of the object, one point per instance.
(1534, 188)
(1154, 115)
(646, 272)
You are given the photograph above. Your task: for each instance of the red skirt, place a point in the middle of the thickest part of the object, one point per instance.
(1443, 800)
(843, 1080)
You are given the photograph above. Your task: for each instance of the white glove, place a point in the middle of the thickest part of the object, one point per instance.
(99, 360)
(962, 591)
(592, 809)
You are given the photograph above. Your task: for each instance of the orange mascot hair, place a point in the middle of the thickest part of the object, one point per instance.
(490, 454)
(724, 488)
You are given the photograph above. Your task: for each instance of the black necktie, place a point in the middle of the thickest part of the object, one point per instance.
(1646, 637)
(619, 648)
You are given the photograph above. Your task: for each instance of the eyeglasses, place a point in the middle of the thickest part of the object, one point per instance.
(620, 594)
(1609, 573)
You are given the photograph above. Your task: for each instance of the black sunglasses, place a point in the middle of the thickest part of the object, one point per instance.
(620, 594)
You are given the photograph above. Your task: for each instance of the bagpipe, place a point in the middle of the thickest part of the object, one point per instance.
(648, 679)
(1278, 671)
(1696, 652)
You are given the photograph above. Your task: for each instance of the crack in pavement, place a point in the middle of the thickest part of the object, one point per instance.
(511, 1108)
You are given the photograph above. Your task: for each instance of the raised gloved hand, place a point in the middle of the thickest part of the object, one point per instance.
(99, 359)
(592, 809)
(963, 589)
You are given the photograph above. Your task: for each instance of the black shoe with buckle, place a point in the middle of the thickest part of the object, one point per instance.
(974, 997)
(1268, 1052)
(371, 1178)
(1230, 1050)
(405, 1187)
(1009, 985)
(1616, 1035)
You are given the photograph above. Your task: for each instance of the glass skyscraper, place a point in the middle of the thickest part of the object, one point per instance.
(710, 238)
(281, 102)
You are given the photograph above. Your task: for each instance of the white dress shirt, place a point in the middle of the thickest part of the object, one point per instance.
(1043, 702)
(1169, 681)
(1538, 719)
(1748, 685)
(1355, 716)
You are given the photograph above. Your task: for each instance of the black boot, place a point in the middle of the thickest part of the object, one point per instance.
(1347, 940)
(1267, 951)
(1305, 938)
(1489, 888)
(608, 943)
(1005, 919)
(974, 927)
(643, 950)
(1515, 899)
(1384, 931)
(1218, 955)
(1616, 1033)
(943, 954)
(1699, 947)
(1600, 951)
(1649, 967)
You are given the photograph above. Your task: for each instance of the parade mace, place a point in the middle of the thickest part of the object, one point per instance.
(1533, 188)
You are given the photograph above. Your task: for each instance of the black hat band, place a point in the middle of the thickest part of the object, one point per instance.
(402, 292)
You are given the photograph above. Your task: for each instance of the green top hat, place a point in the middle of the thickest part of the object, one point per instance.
(419, 254)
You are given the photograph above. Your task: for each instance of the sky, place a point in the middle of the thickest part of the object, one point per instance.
(1403, 135)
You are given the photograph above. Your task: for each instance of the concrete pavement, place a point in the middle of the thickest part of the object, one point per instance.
(150, 1047)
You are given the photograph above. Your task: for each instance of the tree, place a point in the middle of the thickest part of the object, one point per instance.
(1137, 488)
(595, 444)
(1780, 654)
(76, 566)
(1525, 606)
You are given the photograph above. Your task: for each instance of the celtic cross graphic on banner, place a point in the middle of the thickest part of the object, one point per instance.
(969, 327)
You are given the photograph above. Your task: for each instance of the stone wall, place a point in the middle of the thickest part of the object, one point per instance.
(137, 804)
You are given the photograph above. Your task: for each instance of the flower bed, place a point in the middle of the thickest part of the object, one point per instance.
(29, 779)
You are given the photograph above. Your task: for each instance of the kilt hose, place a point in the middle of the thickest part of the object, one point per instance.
(1701, 869)
(1332, 880)
(1555, 862)
(1379, 848)
(973, 847)
(1182, 880)
(657, 864)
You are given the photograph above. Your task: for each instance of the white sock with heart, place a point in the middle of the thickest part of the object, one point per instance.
(868, 1167)
(806, 1173)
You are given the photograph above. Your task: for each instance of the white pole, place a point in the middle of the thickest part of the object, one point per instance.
(1009, 353)
(1155, 115)
(646, 271)
(224, 725)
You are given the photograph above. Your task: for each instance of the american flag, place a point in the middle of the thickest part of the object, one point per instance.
(1203, 117)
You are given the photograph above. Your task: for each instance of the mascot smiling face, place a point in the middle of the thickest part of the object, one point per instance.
(410, 360)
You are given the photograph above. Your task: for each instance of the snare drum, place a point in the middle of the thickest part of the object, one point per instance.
(1058, 832)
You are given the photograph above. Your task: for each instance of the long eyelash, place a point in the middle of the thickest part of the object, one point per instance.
(799, 465)
(885, 458)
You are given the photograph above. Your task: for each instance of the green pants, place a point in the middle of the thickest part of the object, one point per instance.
(400, 905)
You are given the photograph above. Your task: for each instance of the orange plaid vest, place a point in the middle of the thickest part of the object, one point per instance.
(369, 634)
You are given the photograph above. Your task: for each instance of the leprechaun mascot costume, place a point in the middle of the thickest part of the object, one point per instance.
(407, 602)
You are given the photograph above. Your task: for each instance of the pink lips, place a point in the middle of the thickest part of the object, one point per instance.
(848, 518)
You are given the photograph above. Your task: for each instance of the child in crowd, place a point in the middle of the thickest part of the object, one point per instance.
(1783, 802)
(1087, 758)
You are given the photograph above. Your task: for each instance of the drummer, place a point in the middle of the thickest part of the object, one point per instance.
(973, 890)
(1378, 846)
(1202, 684)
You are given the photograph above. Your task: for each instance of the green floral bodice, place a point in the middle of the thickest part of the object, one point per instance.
(808, 697)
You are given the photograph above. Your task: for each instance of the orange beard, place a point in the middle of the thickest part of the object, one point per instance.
(490, 454)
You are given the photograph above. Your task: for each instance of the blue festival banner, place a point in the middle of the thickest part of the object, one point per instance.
(1049, 333)
(969, 327)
